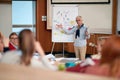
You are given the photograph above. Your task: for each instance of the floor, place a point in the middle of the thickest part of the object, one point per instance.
(66, 54)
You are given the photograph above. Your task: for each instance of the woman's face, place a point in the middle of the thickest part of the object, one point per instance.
(100, 44)
(79, 21)
(99, 47)
(14, 40)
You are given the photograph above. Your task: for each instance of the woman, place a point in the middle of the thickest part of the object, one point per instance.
(110, 59)
(108, 64)
(13, 44)
(27, 48)
(81, 36)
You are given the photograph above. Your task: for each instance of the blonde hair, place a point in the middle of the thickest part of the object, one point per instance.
(79, 17)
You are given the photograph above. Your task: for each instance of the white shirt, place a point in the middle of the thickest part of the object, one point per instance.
(14, 57)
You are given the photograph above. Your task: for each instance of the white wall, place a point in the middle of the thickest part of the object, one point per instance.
(6, 19)
(118, 16)
(98, 17)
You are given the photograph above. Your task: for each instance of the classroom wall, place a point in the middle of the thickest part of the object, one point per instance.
(98, 17)
(44, 35)
(6, 19)
(118, 16)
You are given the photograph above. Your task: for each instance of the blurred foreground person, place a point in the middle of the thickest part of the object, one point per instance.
(109, 63)
(24, 56)
(110, 59)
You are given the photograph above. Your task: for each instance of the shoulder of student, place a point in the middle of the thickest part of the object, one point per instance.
(11, 57)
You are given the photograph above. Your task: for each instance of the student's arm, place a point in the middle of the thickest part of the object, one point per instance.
(39, 49)
(6, 43)
(44, 60)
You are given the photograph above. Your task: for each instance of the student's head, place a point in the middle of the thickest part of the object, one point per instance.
(111, 54)
(79, 20)
(100, 42)
(26, 45)
(14, 38)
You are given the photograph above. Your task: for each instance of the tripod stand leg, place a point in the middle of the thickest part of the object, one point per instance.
(63, 51)
(52, 47)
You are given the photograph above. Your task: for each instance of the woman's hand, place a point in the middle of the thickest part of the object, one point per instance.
(59, 26)
(6, 42)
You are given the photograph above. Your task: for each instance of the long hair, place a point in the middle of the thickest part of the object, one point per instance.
(26, 45)
(111, 55)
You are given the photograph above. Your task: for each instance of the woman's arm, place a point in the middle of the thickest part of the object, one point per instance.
(67, 31)
(44, 59)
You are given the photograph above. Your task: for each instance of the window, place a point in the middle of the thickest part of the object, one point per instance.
(23, 15)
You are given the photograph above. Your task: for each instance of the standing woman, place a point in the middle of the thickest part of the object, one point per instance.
(81, 34)
(24, 56)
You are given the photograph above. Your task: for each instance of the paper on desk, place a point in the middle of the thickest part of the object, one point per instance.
(62, 59)
(51, 56)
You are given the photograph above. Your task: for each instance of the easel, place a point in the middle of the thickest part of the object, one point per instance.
(53, 49)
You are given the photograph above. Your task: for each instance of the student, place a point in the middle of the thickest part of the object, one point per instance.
(100, 42)
(27, 48)
(81, 34)
(13, 44)
(109, 63)
(110, 59)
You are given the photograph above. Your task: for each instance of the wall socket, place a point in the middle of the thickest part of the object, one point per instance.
(44, 18)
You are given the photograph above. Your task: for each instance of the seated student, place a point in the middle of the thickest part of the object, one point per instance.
(100, 42)
(95, 59)
(27, 48)
(110, 59)
(109, 64)
(13, 44)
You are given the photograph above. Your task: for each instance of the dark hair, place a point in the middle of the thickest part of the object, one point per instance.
(26, 45)
(13, 33)
(111, 54)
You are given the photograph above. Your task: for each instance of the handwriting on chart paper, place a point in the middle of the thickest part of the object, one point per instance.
(65, 16)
